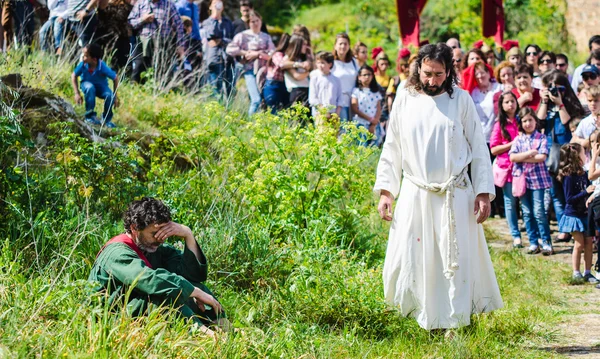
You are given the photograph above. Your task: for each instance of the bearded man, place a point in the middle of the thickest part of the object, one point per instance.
(437, 267)
(138, 261)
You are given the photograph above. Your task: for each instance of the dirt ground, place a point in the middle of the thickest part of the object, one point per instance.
(579, 333)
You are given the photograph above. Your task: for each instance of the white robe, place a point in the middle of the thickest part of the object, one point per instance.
(432, 139)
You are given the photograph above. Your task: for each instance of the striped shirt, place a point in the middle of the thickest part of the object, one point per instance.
(537, 174)
(167, 21)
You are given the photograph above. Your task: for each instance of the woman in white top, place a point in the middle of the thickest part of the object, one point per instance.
(345, 68)
(483, 96)
(296, 77)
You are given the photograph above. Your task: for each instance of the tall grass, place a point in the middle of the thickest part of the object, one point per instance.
(284, 213)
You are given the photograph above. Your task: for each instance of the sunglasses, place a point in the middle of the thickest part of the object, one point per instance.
(560, 64)
(546, 61)
(589, 76)
(531, 53)
(456, 61)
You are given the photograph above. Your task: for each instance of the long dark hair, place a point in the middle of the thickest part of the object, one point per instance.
(503, 116)
(441, 53)
(570, 100)
(373, 85)
(294, 49)
(349, 54)
(528, 111)
(282, 46)
(465, 61)
(570, 162)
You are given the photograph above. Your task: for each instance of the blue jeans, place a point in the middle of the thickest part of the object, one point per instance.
(345, 114)
(90, 92)
(510, 210)
(58, 29)
(558, 198)
(534, 215)
(253, 91)
(276, 95)
(215, 74)
(86, 29)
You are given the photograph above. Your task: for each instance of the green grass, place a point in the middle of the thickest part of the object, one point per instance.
(285, 215)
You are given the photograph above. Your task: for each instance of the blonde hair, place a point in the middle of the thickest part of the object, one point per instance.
(501, 66)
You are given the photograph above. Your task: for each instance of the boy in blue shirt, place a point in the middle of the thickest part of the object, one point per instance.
(94, 73)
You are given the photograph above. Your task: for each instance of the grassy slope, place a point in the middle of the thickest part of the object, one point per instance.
(308, 293)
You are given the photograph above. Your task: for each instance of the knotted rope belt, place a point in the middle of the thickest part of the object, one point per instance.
(447, 188)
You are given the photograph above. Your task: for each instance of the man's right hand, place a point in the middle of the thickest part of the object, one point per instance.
(385, 205)
(78, 99)
(201, 298)
(148, 17)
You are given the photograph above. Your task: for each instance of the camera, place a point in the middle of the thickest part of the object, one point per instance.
(554, 90)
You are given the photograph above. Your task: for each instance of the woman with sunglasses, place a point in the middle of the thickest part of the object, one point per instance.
(532, 54)
(558, 106)
(546, 62)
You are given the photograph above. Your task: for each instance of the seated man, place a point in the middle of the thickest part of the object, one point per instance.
(158, 273)
(93, 72)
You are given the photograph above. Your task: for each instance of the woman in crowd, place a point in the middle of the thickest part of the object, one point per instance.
(253, 47)
(526, 94)
(473, 56)
(514, 56)
(480, 84)
(361, 53)
(532, 54)
(504, 74)
(345, 68)
(503, 135)
(546, 62)
(558, 105)
(296, 77)
(275, 93)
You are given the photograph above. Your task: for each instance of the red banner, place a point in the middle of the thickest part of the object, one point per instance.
(492, 13)
(409, 12)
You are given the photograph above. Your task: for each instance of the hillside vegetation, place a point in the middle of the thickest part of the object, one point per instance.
(284, 213)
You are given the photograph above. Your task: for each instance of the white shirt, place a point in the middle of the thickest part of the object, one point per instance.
(484, 103)
(58, 8)
(577, 77)
(347, 73)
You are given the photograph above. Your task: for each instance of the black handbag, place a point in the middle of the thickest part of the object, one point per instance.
(553, 160)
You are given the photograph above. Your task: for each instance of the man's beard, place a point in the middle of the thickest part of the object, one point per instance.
(432, 90)
(144, 245)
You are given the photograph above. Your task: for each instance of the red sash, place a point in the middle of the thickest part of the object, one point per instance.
(124, 238)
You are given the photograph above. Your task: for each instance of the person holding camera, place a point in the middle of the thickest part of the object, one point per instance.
(558, 106)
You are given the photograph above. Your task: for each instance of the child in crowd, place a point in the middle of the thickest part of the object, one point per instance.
(504, 132)
(325, 90)
(366, 102)
(528, 155)
(577, 189)
(94, 73)
(590, 123)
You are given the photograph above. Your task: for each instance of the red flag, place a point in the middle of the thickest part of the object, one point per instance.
(492, 13)
(408, 18)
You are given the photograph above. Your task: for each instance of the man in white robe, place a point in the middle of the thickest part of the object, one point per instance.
(437, 267)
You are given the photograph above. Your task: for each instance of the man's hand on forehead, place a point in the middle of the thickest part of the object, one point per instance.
(166, 230)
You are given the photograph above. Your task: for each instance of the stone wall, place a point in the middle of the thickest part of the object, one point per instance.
(583, 21)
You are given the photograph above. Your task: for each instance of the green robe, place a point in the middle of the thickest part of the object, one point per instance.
(171, 279)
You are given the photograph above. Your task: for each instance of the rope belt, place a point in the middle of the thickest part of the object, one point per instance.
(448, 187)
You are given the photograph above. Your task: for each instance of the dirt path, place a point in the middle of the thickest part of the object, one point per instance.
(579, 332)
